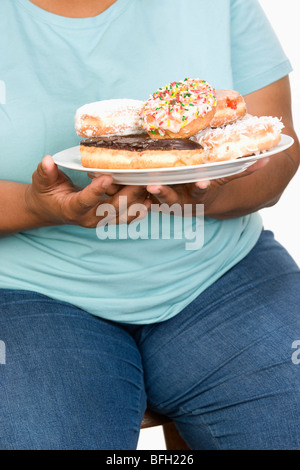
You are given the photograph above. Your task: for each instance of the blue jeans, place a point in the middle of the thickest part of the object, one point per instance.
(222, 369)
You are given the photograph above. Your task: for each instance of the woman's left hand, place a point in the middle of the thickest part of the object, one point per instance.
(262, 184)
(203, 192)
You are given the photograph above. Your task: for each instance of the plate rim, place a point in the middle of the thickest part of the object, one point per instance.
(281, 147)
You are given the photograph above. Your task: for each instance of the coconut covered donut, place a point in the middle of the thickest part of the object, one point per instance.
(179, 110)
(231, 106)
(109, 117)
(247, 136)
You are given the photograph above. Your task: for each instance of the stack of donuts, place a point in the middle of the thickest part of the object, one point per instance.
(184, 123)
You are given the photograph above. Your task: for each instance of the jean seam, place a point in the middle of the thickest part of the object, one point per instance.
(215, 440)
(142, 403)
(161, 407)
(186, 413)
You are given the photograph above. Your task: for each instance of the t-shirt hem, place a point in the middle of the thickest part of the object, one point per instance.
(180, 306)
(139, 318)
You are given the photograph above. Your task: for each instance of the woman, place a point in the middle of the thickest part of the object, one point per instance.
(94, 329)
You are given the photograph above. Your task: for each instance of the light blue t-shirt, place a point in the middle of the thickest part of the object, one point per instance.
(49, 67)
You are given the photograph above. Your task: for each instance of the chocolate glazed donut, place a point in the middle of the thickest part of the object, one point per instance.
(138, 152)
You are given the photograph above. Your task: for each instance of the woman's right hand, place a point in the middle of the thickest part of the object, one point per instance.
(54, 200)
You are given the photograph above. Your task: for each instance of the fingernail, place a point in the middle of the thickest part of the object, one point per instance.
(154, 190)
(265, 161)
(44, 167)
(47, 160)
(203, 184)
(106, 183)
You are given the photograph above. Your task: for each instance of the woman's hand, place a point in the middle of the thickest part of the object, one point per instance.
(208, 193)
(262, 184)
(54, 199)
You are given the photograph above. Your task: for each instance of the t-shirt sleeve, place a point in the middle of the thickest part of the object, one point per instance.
(257, 56)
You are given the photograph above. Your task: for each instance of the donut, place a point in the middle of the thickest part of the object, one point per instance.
(247, 136)
(231, 106)
(179, 110)
(139, 152)
(109, 117)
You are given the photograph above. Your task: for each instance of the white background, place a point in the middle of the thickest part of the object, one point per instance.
(282, 219)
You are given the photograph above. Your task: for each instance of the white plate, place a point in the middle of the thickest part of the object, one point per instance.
(71, 157)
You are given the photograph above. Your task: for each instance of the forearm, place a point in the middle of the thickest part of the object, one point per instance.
(53, 200)
(256, 191)
(262, 188)
(14, 214)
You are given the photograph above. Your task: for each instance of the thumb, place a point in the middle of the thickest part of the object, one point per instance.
(47, 172)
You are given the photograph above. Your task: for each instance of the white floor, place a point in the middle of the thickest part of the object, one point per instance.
(152, 439)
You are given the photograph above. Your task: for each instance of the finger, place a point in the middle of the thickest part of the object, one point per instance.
(92, 175)
(148, 204)
(112, 188)
(133, 193)
(47, 172)
(198, 189)
(203, 185)
(164, 194)
(135, 212)
(90, 196)
(258, 165)
(124, 198)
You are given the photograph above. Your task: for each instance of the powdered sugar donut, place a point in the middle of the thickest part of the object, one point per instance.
(109, 117)
(245, 137)
(231, 106)
(179, 110)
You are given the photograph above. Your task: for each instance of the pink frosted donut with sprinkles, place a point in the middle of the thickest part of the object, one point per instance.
(179, 110)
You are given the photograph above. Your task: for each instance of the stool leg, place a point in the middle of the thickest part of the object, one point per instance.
(173, 439)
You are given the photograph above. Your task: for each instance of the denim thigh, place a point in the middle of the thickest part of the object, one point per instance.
(222, 368)
(70, 381)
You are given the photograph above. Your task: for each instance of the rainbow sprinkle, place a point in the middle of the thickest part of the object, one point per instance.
(176, 105)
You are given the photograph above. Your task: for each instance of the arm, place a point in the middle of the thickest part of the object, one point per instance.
(14, 214)
(263, 188)
(52, 199)
(260, 186)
